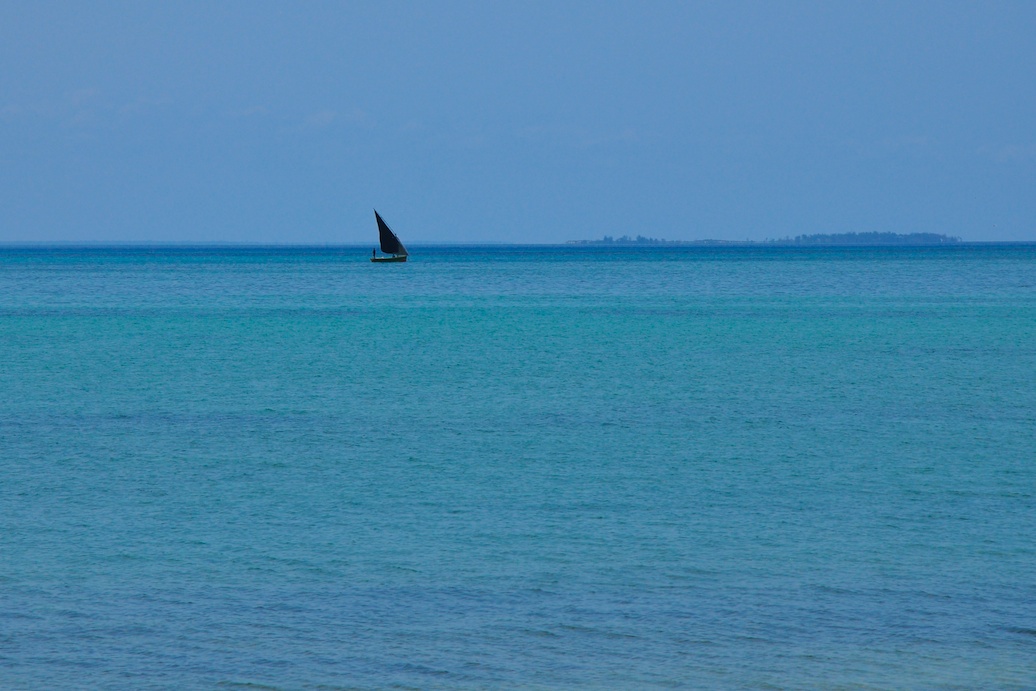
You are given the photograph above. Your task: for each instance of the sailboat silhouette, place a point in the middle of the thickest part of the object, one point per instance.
(390, 243)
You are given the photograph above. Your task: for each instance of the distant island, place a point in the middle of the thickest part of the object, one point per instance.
(820, 239)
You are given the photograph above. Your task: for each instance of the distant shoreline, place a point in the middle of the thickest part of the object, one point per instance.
(803, 242)
(817, 240)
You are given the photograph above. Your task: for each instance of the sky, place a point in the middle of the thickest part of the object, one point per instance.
(527, 122)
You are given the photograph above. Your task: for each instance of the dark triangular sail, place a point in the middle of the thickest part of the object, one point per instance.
(390, 244)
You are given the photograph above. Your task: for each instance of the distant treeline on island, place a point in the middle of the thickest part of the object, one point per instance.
(820, 239)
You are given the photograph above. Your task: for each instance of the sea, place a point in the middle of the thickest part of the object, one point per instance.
(745, 467)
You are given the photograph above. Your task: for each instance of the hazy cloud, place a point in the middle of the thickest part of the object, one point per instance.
(1010, 153)
(320, 119)
(250, 112)
(357, 116)
(892, 146)
(144, 105)
(81, 97)
(578, 137)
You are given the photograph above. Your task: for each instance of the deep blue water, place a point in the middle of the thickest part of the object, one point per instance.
(518, 466)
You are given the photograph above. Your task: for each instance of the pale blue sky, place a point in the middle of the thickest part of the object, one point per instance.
(515, 121)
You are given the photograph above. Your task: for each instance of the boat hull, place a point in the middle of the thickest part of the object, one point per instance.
(397, 258)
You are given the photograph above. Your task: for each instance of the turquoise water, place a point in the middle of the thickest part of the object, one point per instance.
(518, 466)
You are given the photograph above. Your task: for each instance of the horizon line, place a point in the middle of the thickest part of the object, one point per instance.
(481, 243)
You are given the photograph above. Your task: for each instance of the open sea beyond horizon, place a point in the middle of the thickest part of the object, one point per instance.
(518, 466)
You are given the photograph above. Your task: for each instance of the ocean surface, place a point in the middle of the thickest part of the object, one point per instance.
(499, 467)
